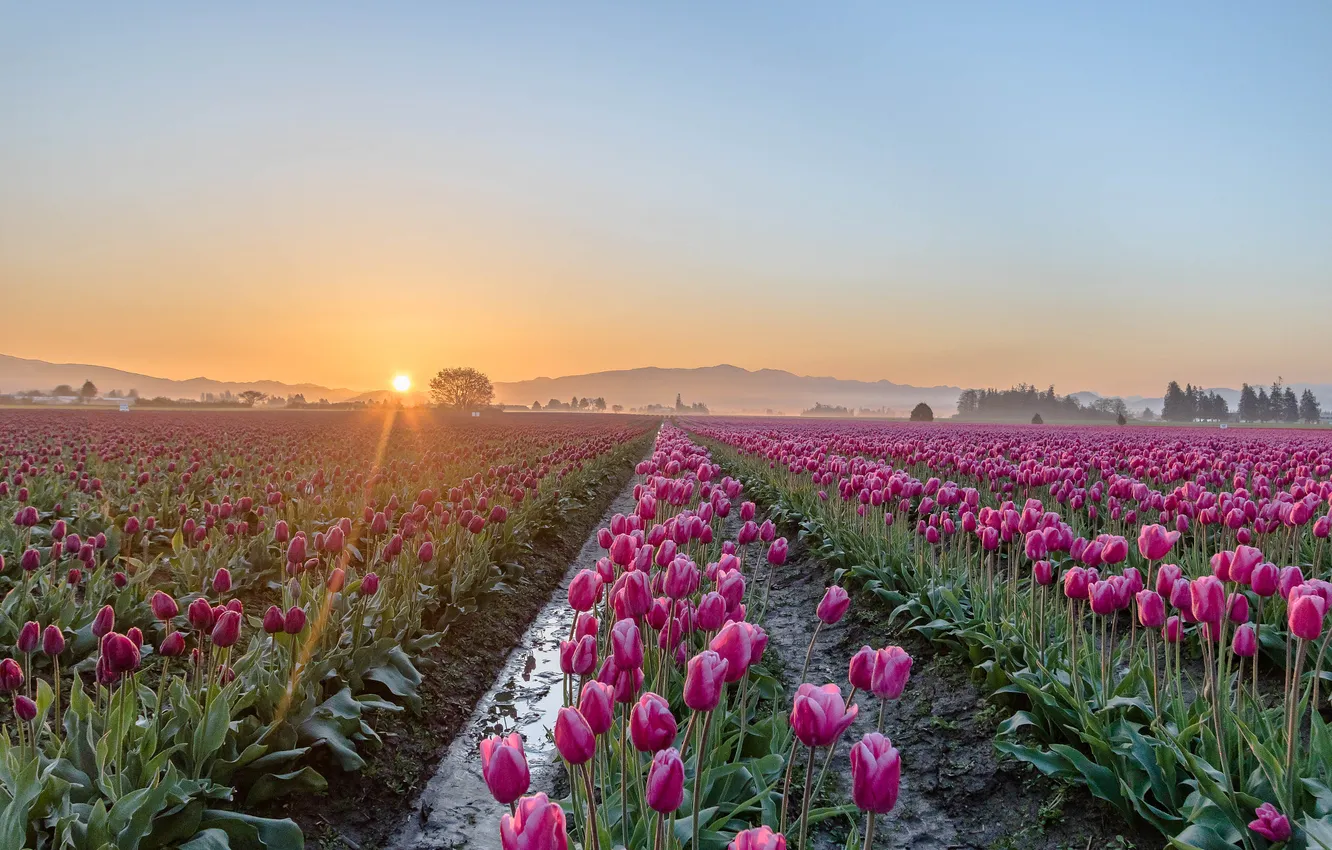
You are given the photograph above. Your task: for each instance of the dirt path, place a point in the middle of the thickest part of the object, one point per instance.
(956, 790)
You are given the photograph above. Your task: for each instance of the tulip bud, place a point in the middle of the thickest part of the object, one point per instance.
(104, 622)
(273, 620)
(294, 621)
(53, 640)
(370, 584)
(24, 709)
(1245, 643)
(573, 736)
(834, 604)
(665, 782)
(861, 672)
(29, 637)
(172, 646)
(164, 606)
(704, 678)
(226, 631)
(222, 581)
(597, 705)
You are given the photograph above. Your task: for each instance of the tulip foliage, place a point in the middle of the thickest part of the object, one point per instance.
(1153, 601)
(674, 731)
(193, 605)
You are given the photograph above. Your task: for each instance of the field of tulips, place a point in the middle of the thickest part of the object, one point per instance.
(199, 610)
(1149, 603)
(675, 728)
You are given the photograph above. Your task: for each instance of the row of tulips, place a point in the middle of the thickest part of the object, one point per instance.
(674, 732)
(194, 610)
(1176, 670)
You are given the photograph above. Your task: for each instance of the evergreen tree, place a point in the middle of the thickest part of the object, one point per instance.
(1264, 406)
(1290, 406)
(1248, 404)
(1310, 410)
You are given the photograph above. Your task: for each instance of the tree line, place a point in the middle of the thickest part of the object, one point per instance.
(1277, 404)
(1025, 401)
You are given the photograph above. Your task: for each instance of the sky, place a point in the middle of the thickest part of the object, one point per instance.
(1098, 196)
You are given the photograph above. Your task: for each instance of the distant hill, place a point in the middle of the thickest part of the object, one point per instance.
(729, 389)
(18, 374)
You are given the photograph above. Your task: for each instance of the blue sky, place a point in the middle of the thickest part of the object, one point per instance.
(964, 193)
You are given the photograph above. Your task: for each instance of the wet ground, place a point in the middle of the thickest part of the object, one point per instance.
(456, 810)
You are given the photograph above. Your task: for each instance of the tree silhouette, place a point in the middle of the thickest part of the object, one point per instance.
(88, 391)
(922, 413)
(463, 388)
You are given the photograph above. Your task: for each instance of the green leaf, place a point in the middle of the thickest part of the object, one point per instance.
(273, 785)
(247, 832)
(208, 839)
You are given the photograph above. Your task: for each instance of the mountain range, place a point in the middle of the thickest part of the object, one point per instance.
(723, 388)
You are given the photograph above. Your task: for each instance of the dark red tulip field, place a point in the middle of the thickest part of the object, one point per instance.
(378, 629)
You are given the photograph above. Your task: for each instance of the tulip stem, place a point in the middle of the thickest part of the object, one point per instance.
(804, 808)
(698, 774)
(869, 830)
(594, 839)
(809, 653)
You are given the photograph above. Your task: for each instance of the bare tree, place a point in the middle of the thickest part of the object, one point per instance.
(253, 397)
(462, 388)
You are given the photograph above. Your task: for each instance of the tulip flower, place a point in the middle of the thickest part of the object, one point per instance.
(578, 657)
(876, 773)
(861, 670)
(704, 677)
(652, 727)
(1270, 823)
(53, 641)
(504, 767)
(597, 705)
(834, 605)
(777, 551)
(164, 607)
(892, 669)
(627, 645)
(293, 623)
(1208, 599)
(820, 715)
(29, 637)
(536, 824)
(758, 838)
(1155, 542)
(11, 675)
(574, 737)
(1264, 579)
(273, 620)
(1245, 643)
(1305, 617)
(1151, 609)
(173, 645)
(24, 709)
(734, 643)
(665, 782)
(104, 622)
(584, 590)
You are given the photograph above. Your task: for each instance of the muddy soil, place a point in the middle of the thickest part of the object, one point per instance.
(362, 810)
(957, 790)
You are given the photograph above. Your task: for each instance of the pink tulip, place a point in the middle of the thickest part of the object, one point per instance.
(293, 622)
(597, 705)
(584, 590)
(573, 736)
(1208, 598)
(704, 677)
(652, 727)
(1245, 643)
(1270, 823)
(665, 782)
(834, 604)
(820, 715)
(861, 671)
(758, 838)
(777, 551)
(1155, 542)
(1151, 609)
(578, 657)
(734, 643)
(1305, 617)
(536, 824)
(876, 774)
(504, 767)
(892, 669)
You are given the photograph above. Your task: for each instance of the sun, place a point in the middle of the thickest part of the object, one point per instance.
(402, 383)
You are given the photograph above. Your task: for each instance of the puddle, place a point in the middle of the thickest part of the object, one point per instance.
(456, 810)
